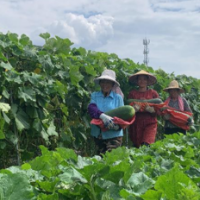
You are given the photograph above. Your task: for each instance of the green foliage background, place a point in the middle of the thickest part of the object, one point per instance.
(46, 91)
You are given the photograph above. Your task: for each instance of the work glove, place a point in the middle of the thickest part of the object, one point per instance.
(166, 116)
(136, 107)
(116, 127)
(149, 109)
(108, 122)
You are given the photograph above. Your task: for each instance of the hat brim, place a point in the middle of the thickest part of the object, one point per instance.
(151, 79)
(171, 88)
(96, 80)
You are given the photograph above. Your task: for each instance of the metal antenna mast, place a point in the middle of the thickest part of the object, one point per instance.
(146, 51)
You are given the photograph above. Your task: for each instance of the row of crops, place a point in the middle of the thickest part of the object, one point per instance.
(168, 170)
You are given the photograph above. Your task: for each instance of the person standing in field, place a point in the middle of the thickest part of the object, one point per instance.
(101, 101)
(175, 101)
(144, 128)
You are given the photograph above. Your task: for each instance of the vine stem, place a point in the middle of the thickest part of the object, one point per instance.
(17, 136)
(92, 188)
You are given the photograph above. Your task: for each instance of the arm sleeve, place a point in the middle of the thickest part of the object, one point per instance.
(186, 106)
(155, 94)
(93, 111)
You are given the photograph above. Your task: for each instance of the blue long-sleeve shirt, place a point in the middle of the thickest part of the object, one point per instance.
(104, 104)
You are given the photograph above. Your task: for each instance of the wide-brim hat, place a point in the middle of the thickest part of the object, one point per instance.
(173, 85)
(151, 78)
(108, 75)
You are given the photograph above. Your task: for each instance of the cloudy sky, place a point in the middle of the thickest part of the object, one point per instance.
(115, 26)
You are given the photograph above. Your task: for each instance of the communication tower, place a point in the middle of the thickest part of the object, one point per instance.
(146, 51)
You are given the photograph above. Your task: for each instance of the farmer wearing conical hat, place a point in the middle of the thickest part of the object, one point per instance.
(101, 101)
(175, 101)
(143, 130)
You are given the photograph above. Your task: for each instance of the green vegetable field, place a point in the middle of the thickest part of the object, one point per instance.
(46, 151)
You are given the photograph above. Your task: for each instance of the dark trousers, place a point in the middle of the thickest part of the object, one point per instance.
(107, 145)
(169, 131)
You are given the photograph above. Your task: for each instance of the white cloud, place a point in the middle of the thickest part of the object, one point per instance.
(87, 32)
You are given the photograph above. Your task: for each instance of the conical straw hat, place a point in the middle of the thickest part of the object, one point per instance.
(173, 85)
(151, 79)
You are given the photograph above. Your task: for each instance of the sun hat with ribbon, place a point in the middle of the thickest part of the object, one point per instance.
(174, 85)
(108, 75)
(151, 78)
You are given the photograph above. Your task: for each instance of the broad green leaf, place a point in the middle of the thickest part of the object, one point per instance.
(44, 135)
(118, 154)
(66, 41)
(42, 101)
(113, 192)
(119, 170)
(75, 75)
(15, 187)
(44, 150)
(37, 125)
(7, 66)
(48, 164)
(12, 137)
(152, 195)
(80, 51)
(30, 52)
(6, 118)
(127, 195)
(107, 196)
(52, 130)
(4, 107)
(58, 45)
(25, 166)
(25, 169)
(13, 37)
(64, 109)
(71, 176)
(104, 183)
(67, 153)
(13, 77)
(46, 62)
(90, 70)
(189, 193)
(194, 174)
(4, 44)
(17, 50)
(60, 88)
(27, 94)
(33, 78)
(21, 120)
(24, 40)
(139, 183)
(3, 57)
(5, 93)
(48, 186)
(63, 74)
(45, 35)
(171, 183)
